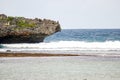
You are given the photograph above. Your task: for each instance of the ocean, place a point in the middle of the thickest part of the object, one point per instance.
(75, 41)
(105, 43)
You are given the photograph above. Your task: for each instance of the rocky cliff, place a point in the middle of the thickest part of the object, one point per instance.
(25, 30)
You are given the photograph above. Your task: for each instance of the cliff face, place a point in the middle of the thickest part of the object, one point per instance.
(24, 30)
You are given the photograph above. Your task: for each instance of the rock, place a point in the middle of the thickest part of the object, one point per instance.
(25, 30)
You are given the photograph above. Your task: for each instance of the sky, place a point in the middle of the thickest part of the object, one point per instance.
(71, 14)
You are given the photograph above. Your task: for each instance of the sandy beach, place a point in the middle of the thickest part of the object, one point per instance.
(57, 68)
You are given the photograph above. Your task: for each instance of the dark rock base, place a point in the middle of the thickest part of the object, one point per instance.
(21, 39)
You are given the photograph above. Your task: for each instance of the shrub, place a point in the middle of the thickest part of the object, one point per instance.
(25, 24)
(9, 18)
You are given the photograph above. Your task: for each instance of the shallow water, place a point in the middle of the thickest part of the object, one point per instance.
(60, 68)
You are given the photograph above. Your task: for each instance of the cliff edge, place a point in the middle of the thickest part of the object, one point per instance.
(25, 30)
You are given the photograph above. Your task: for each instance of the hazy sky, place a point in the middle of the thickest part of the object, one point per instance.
(70, 13)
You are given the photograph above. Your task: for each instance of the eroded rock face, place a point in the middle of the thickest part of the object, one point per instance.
(25, 30)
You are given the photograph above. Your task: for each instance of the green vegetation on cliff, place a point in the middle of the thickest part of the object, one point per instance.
(9, 18)
(24, 24)
(18, 21)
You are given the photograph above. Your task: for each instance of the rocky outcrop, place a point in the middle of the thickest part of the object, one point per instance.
(25, 30)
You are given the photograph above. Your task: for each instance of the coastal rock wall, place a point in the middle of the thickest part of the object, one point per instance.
(25, 30)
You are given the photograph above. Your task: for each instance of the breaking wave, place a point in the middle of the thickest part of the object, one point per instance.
(66, 46)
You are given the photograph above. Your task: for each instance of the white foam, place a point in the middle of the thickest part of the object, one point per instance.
(69, 45)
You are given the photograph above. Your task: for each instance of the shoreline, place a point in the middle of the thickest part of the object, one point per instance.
(18, 54)
(33, 54)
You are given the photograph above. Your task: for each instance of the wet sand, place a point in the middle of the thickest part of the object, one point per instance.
(18, 54)
(31, 54)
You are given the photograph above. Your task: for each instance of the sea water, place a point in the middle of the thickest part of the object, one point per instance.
(73, 41)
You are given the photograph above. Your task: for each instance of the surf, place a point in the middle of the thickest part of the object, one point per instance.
(66, 46)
